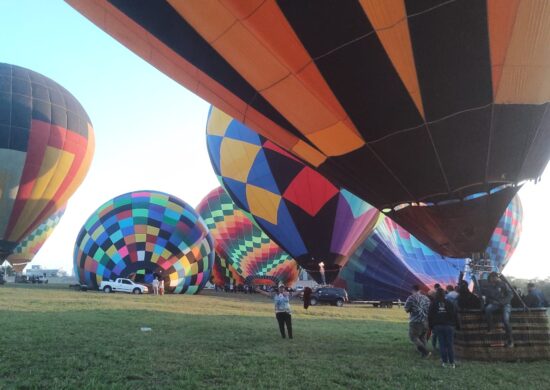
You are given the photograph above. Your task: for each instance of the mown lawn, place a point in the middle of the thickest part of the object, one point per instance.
(57, 338)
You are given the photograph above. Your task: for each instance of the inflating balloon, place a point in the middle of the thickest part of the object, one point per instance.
(310, 218)
(247, 249)
(414, 106)
(141, 235)
(223, 273)
(391, 260)
(25, 251)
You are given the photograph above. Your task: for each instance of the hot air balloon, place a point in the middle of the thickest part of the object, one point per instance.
(506, 236)
(141, 235)
(223, 273)
(25, 251)
(391, 260)
(414, 106)
(310, 218)
(46, 147)
(253, 255)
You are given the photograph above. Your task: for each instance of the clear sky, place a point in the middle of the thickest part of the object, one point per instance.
(150, 131)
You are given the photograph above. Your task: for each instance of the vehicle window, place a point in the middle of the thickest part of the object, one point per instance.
(126, 282)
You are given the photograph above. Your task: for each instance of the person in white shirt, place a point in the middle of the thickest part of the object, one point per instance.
(156, 286)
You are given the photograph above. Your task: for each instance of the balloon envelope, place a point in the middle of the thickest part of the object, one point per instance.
(141, 235)
(25, 251)
(223, 273)
(310, 218)
(400, 102)
(242, 244)
(391, 260)
(46, 147)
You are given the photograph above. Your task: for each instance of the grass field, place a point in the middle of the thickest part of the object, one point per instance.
(57, 338)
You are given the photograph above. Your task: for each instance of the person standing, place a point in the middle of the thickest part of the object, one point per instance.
(417, 305)
(534, 297)
(498, 296)
(442, 320)
(156, 285)
(281, 298)
(161, 287)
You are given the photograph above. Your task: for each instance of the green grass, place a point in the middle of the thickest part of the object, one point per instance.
(57, 338)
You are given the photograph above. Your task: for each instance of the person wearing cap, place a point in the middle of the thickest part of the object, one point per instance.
(281, 298)
(498, 297)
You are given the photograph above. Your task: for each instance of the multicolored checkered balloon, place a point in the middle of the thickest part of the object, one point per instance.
(244, 245)
(25, 251)
(313, 220)
(141, 234)
(506, 236)
(223, 273)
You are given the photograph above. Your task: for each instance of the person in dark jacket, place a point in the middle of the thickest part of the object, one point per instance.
(534, 297)
(498, 296)
(466, 299)
(442, 320)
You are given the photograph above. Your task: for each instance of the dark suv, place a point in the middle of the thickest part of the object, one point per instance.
(332, 295)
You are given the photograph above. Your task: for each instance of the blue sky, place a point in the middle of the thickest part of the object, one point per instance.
(149, 129)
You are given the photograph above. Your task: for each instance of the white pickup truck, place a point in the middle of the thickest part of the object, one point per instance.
(123, 285)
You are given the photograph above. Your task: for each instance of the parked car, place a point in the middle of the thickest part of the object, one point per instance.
(38, 279)
(331, 295)
(21, 279)
(123, 285)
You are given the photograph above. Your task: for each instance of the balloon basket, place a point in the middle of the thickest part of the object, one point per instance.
(530, 331)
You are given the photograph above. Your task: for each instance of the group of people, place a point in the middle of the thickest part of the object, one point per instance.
(235, 288)
(158, 286)
(435, 313)
(534, 297)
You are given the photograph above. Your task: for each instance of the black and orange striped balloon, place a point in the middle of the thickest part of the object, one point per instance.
(403, 102)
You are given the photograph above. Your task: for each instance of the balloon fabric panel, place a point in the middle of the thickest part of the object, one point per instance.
(297, 207)
(46, 147)
(144, 234)
(400, 102)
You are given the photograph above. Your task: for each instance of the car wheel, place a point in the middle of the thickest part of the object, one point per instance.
(107, 289)
(339, 302)
(136, 291)
(313, 301)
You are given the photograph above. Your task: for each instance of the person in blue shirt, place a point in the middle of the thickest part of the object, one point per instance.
(281, 299)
